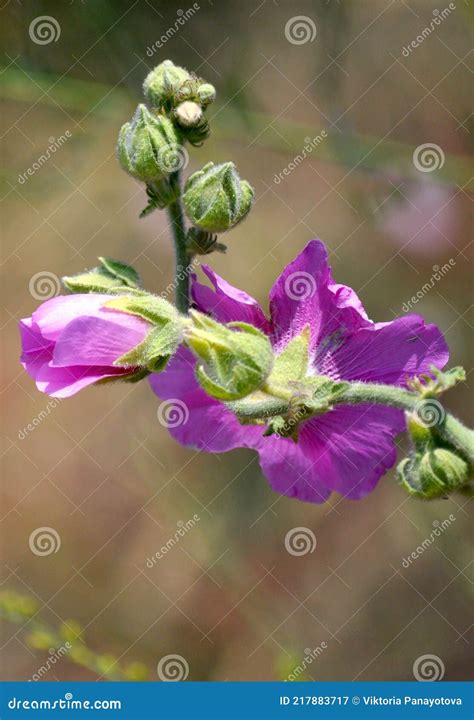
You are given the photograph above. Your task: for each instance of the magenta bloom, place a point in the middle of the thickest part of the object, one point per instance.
(346, 450)
(72, 341)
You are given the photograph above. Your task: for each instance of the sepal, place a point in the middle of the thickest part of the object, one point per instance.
(109, 277)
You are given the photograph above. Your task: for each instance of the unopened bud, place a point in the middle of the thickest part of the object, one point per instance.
(216, 199)
(433, 474)
(163, 83)
(188, 114)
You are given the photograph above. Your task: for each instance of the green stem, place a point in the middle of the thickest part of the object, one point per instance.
(182, 257)
(273, 401)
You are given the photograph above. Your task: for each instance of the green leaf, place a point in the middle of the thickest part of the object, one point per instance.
(125, 273)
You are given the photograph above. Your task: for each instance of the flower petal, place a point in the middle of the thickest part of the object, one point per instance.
(53, 315)
(227, 303)
(387, 352)
(66, 381)
(305, 294)
(350, 448)
(98, 341)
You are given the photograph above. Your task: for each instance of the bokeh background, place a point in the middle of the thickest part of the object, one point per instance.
(100, 470)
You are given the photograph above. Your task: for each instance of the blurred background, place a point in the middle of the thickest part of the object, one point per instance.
(99, 470)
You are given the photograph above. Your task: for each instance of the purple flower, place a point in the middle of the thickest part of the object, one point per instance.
(346, 450)
(72, 341)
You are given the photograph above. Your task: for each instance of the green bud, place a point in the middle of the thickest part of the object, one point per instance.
(206, 94)
(234, 359)
(110, 276)
(149, 147)
(163, 83)
(188, 114)
(433, 474)
(216, 199)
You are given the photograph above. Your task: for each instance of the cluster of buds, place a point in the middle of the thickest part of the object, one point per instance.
(151, 148)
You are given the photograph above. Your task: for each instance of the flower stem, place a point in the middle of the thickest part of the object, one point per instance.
(182, 257)
(273, 401)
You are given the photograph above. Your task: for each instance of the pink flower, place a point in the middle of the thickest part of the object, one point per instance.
(73, 341)
(347, 449)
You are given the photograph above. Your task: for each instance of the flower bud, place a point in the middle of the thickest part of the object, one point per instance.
(163, 83)
(433, 474)
(206, 94)
(234, 360)
(216, 199)
(188, 114)
(147, 146)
